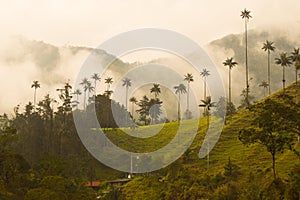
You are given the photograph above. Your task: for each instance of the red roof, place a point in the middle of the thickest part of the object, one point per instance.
(94, 184)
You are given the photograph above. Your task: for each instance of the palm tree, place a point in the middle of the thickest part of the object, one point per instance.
(77, 92)
(35, 85)
(296, 60)
(207, 104)
(108, 81)
(245, 14)
(127, 84)
(155, 89)
(189, 78)
(133, 101)
(84, 83)
(230, 63)
(284, 61)
(180, 89)
(89, 88)
(268, 46)
(204, 74)
(96, 78)
(265, 85)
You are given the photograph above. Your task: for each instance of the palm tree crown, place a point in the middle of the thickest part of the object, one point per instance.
(35, 85)
(245, 14)
(155, 89)
(268, 46)
(230, 63)
(283, 61)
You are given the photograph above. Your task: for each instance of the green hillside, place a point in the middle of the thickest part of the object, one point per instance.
(188, 177)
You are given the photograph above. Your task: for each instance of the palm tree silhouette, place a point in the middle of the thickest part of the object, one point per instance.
(207, 104)
(108, 81)
(77, 92)
(156, 90)
(96, 78)
(180, 89)
(284, 61)
(189, 78)
(35, 85)
(205, 73)
(265, 85)
(296, 60)
(268, 46)
(84, 83)
(230, 63)
(133, 101)
(127, 84)
(245, 14)
(89, 88)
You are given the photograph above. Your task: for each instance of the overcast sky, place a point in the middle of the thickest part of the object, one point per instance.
(90, 22)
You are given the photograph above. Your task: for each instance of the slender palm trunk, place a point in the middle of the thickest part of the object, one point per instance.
(77, 101)
(273, 165)
(188, 98)
(269, 73)
(247, 70)
(204, 88)
(132, 109)
(296, 71)
(126, 97)
(84, 99)
(229, 85)
(207, 143)
(283, 79)
(34, 99)
(178, 113)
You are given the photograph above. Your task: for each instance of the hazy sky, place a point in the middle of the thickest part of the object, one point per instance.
(90, 22)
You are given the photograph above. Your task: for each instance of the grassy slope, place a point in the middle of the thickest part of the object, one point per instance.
(253, 159)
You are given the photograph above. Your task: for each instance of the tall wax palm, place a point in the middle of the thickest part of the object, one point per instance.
(230, 63)
(188, 78)
(207, 104)
(35, 85)
(265, 85)
(77, 92)
(205, 73)
(283, 61)
(96, 78)
(268, 46)
(89, 88)
(108, 81)
(245, 14)
(127, 84)
(296, 60)
(133, 101)
(155, 89)
(84, 83)
(180, 89)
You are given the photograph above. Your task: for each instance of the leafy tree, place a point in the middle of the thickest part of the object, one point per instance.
(188, 78)
(268, 46)
(284, 61)
(244, 99)
(230, 63)
(144, 109)
(35, 85)
(155, 109)
(180, 89)
(205, 73)
(245, 14)
(272, 127)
